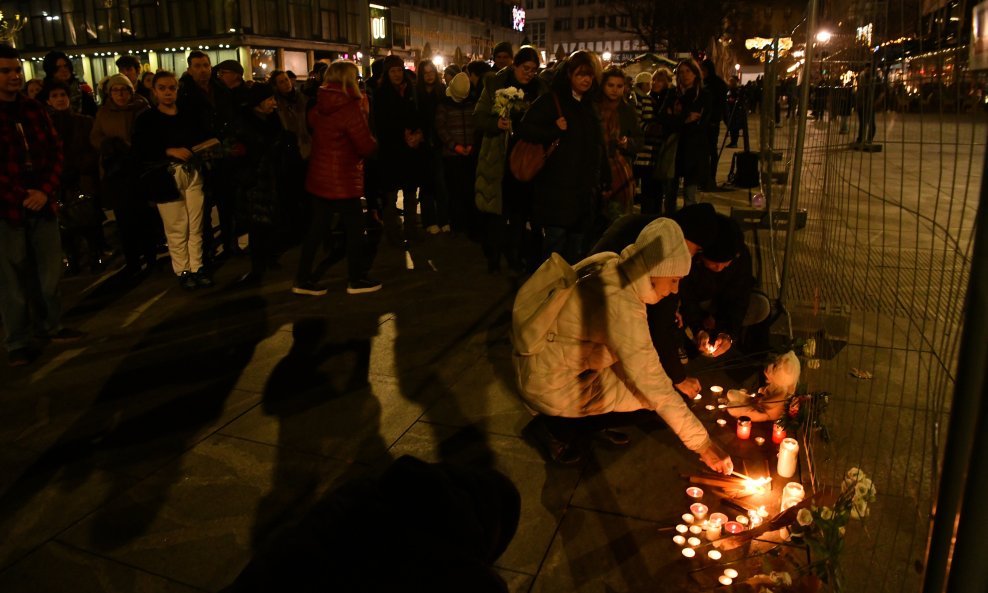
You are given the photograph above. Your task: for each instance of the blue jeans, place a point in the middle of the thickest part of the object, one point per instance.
(30, 270)
(565, 242)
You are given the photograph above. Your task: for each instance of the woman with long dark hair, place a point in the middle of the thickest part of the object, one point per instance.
(429, 93)
(623, 137)
(693, 110)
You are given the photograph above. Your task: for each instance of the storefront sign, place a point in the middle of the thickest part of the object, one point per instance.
(380, 26)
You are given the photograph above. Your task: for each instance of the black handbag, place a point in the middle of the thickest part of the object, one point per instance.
(744, 170)
(78, 210)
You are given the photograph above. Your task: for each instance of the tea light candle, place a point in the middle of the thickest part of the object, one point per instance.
(698, 396)
(721, 422)
(694, 492)
(733, 527)
(687, 518)
(710, 407)
(719, 517)
(759, 441)
(721, 406)
(696, 529)
(754, 518)
(679, 540)
(742, 519)
(682, 528)
(693, 542)
(689, 552)
(714, 554)
(778, 433)
(788, 455)
(699, 510)
(730, 573)
(725, 580)
(716, 390)
(792, 494)
(744, 428)
(713, 530)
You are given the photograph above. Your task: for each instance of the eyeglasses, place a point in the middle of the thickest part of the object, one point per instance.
(530, 70)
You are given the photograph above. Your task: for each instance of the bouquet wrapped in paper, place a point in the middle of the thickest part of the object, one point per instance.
(509, 100)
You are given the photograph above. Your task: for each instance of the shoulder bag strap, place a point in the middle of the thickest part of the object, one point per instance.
(555, 143)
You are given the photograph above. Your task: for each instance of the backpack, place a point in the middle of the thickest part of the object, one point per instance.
(541, 298)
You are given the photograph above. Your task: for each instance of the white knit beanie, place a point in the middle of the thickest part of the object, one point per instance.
(662, 249)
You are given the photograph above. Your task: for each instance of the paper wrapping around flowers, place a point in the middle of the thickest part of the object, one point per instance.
(782, 375)
(509, 100)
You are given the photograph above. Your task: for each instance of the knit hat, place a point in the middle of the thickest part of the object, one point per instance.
(231, 65)
(662, 250)
(459, 87)
(643, 78)
(118, 80)
(503, 47)
(258, 93)
(727, 241)
(393, 61)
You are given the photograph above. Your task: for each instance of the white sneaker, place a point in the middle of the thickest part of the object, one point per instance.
(432, 229)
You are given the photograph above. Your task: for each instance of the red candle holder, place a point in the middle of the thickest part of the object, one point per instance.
(733, 527)
(778, 433)
(744, 427)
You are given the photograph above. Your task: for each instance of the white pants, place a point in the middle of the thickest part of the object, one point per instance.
(183, 222)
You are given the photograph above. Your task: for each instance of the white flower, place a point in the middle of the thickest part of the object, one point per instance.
(863, 489)
(855, 474)
(804, 517)
(826, 513)
(859, 510)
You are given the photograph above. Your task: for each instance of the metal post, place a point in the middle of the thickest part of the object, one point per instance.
(797, 164)
(955, 555)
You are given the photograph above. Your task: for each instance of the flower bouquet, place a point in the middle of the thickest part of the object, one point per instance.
(508, 101)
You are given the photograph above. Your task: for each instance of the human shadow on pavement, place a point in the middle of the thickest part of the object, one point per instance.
(173, 384)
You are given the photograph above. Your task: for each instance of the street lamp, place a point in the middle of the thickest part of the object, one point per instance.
(606, 56)
(439, 62)
(823, 36)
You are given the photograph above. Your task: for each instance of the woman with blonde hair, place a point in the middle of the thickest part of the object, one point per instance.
(341, 140)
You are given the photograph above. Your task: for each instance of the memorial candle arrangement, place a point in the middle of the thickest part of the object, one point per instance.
(788, 456)
(744, 428)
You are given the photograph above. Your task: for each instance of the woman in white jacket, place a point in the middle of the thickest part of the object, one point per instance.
(601, 358)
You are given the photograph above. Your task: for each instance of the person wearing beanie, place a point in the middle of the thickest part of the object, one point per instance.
(721, 276)
(458, 139)
(601, 358)
(503, 55)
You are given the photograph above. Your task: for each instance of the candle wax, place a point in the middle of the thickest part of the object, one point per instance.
(730, 573)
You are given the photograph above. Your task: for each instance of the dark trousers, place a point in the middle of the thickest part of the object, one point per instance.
(460, 175)
(220, 184)
(139, 228)
(324, 213)
(713, 146)
(72, 240)
(263, 246)
(866, 125)
(507, 233)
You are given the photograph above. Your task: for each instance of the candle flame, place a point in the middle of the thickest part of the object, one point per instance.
(757, 485)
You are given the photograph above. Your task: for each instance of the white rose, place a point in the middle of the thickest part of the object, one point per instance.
(859, 510)
(855, 474)
(804, 517)
(826, 513)
(863, 488)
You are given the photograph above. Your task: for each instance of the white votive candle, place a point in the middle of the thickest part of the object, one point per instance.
(689, 552)
(711, 407)
(687, 518)
(693, 542)
(721, 422)
(713, 530)
(742, 519)
(713, 555)
(695, 529)
(716, 389)
(679, 540)
(725, 580)
(730, 573)
(682, 528)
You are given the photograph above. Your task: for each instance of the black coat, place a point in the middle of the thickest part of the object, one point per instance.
(261, 172)
(393, 113)
(568, 186)
(154, 133)
(693, 152)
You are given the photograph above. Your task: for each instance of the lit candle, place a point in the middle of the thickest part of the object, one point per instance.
(733, 527)
(742, 519)
(693, 542)
(721, 517)
(679, 539)
(759, 441)
(682, 528)
(778, 433)
(711, 407)
(725, 580)
(730, 573)
(694, 492)
(788, 455)
(696, 529)
(687, 518)
(716, 390)
(713, 530)
(762, 512)
(689, 552)
(721, 406)
(744, 427)
(698, 396)
(699, 510)
(792, 495)
(714, 554)
(721, 422)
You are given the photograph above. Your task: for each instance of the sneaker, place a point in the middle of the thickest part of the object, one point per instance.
(309, 288)
(187, 281)
(432, 229)
(66, 336)
(19, 357)
(202, 279)
(363, 285)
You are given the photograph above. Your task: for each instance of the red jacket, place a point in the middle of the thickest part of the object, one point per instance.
(341, 139)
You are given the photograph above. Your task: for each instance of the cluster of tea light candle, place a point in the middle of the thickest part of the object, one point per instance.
(696, 522)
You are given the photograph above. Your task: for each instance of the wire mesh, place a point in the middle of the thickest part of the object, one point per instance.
(880, 270)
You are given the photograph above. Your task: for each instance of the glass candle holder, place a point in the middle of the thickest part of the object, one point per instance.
(778, 433)
(733, 527)
(744, 427)
(699, 510)
(694, 492)
(792, 494)
(717, 390)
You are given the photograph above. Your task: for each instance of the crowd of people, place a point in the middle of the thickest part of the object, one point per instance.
(205, 165)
